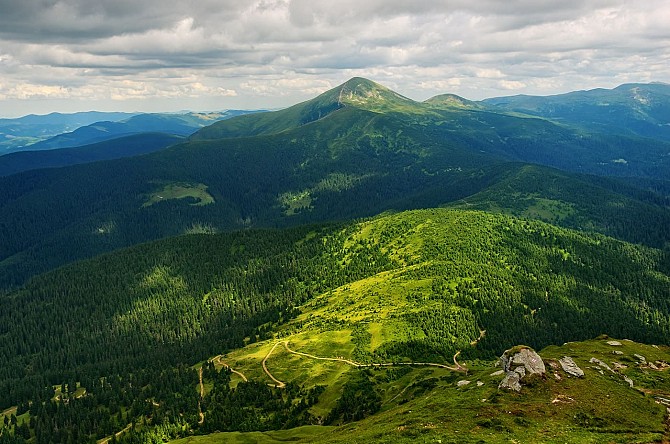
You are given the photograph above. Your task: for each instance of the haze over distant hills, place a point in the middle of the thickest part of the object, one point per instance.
(22, 131)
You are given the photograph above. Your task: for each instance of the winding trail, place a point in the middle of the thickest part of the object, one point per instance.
(280, 384)
(219, 360)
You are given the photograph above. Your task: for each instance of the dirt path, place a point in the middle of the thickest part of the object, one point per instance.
(319, 358)
(458, 367)
(117, 434)
(482, 333)
(219, 360)
(278, 383)
(202, 395)
(10, 411)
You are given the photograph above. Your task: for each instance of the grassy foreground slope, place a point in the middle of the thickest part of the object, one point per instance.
(435, 405)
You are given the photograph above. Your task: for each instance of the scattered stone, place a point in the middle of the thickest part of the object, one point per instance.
(661, 400)
(511, 382)
(619, 366)
(463, 383)
(600, 364)
(570, 367)
(652, 366)
(557, 376)
(554, 365)
(479, 383)
(617, 352)
(562, 399)
(498, 373)
(614, 343)
(628, 380)
(640, 358)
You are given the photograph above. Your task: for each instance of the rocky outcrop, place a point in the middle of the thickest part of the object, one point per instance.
(569, 367)
(524, 357)
(518, 364)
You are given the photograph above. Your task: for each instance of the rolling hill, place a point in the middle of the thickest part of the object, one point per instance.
(128, 146)
(354, 151)
(633, 109)
(17, 134)
(173, 124)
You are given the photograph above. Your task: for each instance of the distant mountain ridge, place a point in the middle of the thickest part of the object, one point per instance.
(174, 124)
(354, 151)
(119, 147)
(634, 109)
(22, 131)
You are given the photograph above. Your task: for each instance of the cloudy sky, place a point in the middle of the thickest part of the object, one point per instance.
(153, 55)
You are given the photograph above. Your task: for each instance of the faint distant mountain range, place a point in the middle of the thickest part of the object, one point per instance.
(54, 131)
(125, 146)
(23, 131)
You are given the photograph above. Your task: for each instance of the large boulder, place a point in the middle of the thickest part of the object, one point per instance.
(520, 363)
(524, 357)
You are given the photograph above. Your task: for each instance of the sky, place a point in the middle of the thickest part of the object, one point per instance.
(153, 55)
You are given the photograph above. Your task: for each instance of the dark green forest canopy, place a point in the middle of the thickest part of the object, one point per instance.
(185, 298)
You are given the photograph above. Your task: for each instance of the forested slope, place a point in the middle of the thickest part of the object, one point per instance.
(186, 298)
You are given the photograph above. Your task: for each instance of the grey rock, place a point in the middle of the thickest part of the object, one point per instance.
(569, 367)
(600, 364)
(521, 371)
(463, 383)
(511, 382)
(498, 373)
(640, 358)
(628, 380)
(617, 352)
(614, 343)
(479, 383)
(526, 357)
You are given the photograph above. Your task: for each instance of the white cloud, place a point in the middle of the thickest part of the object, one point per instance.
(276, 52)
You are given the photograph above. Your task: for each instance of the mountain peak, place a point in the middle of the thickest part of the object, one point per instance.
(366, 94)
(451, 101)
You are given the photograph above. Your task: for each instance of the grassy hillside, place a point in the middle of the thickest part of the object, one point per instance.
(588, 203)
(424, 405)
(425, 293)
